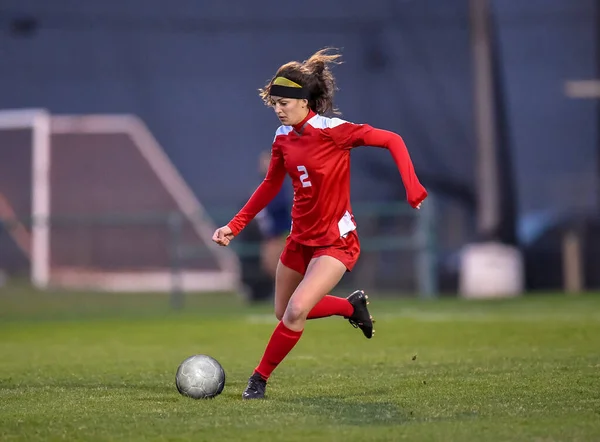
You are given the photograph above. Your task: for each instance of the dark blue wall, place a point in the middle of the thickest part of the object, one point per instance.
(191, 69)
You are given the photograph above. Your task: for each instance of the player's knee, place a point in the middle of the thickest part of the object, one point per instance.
(295, 312)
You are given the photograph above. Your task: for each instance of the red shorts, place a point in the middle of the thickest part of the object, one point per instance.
(297, 256)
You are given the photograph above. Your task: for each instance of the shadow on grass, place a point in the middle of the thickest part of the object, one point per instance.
(352, 409)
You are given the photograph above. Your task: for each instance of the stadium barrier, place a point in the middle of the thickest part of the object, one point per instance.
(106, 252)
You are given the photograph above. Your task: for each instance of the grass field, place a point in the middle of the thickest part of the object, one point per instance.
(101, 367)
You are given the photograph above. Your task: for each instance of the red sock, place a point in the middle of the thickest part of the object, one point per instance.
(281, 343)
(331, 306)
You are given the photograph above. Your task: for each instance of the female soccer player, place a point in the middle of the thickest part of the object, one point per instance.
(315, 151)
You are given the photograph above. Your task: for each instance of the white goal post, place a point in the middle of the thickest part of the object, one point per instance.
(54, 139)
(38, 121)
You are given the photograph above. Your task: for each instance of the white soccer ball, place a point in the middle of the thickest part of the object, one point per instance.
(200, 377)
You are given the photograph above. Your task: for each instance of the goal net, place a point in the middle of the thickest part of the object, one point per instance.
(93, 202)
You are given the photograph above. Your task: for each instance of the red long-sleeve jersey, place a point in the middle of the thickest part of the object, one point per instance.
(316, 155)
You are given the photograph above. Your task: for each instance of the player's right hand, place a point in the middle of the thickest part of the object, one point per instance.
(223, 236)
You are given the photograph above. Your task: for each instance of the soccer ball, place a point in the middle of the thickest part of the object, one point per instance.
(200, 377)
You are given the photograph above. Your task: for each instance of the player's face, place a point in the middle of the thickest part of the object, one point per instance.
(290, 111)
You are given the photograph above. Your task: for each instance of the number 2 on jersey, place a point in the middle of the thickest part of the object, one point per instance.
(304, 177)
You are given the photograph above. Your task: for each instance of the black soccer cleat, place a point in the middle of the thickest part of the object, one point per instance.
(256, 387)
(361, 318)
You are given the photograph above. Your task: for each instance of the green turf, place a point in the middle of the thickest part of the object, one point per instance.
(101, 367)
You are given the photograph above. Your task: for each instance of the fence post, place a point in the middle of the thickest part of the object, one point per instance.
(427, 250)
(175, 226)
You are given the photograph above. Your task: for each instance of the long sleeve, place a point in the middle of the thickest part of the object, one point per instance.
(348, 135)
(263, 195)
(415, 192)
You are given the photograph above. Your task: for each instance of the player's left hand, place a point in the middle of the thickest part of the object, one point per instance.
(415, 200)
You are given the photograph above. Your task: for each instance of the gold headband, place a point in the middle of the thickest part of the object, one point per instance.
(284, 87)
(282, 81)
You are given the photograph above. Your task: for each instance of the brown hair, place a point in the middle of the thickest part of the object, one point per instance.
(313, 74)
